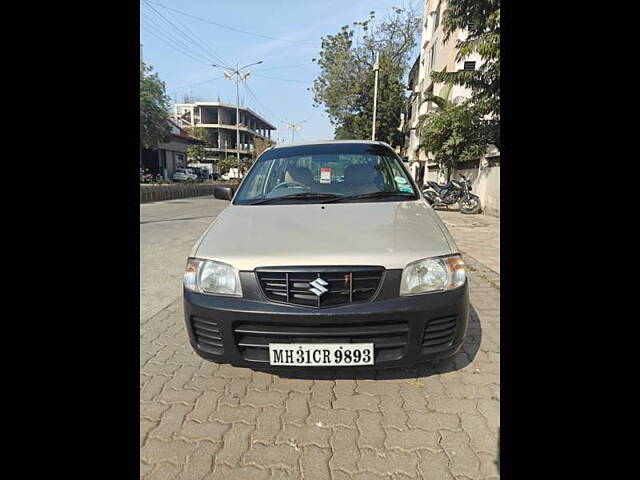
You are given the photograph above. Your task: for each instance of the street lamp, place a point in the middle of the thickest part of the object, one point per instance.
(294, 127)
(237, 76)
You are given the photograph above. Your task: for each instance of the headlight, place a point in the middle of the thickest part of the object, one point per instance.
(432, 274)
(207, 276)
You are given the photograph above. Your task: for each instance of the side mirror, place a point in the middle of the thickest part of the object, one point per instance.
(223, 192)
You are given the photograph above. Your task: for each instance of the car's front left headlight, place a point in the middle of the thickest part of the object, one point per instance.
(207, 276)
(433, 274)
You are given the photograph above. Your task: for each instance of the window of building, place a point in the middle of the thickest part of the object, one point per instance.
(436, 17)
(432, 55)
(470, 65)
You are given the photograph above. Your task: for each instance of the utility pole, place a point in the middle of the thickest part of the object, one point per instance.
(141, 73)
(238, 118)
(376, 67)
(237, 76)
(294, 127)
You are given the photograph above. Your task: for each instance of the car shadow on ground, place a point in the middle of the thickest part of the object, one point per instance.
(463, 358)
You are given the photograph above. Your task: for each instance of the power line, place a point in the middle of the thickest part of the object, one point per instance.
(237, 29)
(203, 44)
(159, 37)
(283, 79)
(151, 25)
(190, 44)
(287, 66)
(195, 84)
(258, 101)
(163, 31)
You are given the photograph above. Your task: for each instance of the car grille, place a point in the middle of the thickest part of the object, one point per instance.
(344, 285)
(439, 333)
(389, 337)
(207, 335)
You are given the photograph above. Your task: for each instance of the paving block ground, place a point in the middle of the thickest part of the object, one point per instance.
(201, 420)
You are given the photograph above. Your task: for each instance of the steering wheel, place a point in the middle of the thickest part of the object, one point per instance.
(289, 184)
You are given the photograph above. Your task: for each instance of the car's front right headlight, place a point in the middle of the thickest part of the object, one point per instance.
(433, 274)
(207, 276)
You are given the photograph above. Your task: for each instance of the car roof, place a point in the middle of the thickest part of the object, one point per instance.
(325, 142)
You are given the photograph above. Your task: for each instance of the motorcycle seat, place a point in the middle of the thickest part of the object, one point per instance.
(438, 186)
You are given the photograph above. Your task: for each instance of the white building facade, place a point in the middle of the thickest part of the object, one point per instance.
(220, 121)
(435, 55)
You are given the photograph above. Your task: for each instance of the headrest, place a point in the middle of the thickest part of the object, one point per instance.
(359, 174)
(301, 174)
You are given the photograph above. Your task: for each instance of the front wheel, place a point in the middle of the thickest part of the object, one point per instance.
(429, 196)
(470, 205)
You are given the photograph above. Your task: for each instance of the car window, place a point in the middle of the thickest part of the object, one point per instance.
(340, 170)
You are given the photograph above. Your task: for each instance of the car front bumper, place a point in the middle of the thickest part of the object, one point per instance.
(405, 330)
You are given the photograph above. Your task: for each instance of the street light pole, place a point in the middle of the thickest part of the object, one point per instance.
(376, 67)
(294, 127)
(237, 72)
(238, 78)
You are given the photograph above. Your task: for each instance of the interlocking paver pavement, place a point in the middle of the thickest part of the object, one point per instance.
(476, 235)
(201, 420)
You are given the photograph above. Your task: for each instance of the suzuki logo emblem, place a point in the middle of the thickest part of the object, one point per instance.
(319, 287)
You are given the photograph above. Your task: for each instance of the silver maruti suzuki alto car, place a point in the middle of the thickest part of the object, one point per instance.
(327, 256)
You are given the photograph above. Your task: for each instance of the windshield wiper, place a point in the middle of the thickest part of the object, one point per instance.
(300, 196)
(363, 196)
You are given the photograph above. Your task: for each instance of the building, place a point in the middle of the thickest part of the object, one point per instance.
(220, 121)
(438, 55)
(410, 123)
(435, 55)
(169, 156)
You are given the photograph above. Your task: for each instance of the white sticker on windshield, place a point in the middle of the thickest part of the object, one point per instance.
(325, 175)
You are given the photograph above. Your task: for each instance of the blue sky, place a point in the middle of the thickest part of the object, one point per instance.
(303, 21)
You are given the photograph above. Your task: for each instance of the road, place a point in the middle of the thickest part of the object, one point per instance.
(200, 420)
(168, 230)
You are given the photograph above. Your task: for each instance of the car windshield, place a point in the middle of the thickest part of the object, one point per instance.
(323, 173)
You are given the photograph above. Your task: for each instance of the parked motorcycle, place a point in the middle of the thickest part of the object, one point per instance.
(453, 192)
(146, 178)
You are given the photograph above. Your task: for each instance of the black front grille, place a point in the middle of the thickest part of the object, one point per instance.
(389, 337)
(207, 335)
(343, 284)
(439, 333)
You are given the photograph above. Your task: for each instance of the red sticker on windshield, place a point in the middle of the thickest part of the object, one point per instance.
(325, 175)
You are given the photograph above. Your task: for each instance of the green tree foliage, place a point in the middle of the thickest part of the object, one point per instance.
(230, 162)
(198, 153)
(346, 81)
(260, 145)
(481, 18)
(452, 133)
(154, 108)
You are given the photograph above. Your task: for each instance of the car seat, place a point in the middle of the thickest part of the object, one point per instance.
(362, 178)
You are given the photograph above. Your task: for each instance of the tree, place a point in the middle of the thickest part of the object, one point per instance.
(481, 19)
(452, 132)
(346, 81)
(227, 163)
(198, 152)
(260, 145)
(154, 109)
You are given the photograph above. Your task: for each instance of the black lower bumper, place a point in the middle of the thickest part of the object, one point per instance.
(404, 330)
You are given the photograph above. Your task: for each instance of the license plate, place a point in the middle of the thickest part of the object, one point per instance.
(321, 354)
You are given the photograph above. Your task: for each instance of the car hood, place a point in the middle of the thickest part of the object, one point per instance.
(390, 234)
